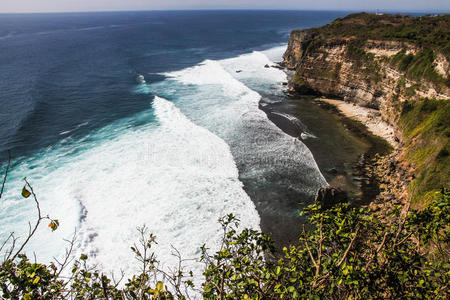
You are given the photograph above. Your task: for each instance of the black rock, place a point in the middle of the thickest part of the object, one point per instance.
(238, 71)
(278, 67)
(333, 171)
(392, 166)
(266, 66)
(329, 196)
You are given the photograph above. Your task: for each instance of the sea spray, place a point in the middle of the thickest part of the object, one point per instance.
(278, 171)
(175, 177)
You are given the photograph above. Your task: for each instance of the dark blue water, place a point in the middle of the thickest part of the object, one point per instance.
(58, 71)
(106, 153)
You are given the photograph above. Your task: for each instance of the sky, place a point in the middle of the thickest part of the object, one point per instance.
(107, 5)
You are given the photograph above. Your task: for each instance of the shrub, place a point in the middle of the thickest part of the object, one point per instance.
(347, 253)
(344, 252)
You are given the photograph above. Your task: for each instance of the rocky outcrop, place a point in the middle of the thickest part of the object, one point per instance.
(387, 63)
(363, 74)
(329, 196)
(394, 176)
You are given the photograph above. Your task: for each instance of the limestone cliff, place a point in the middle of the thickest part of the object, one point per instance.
(365, 59)
(390, 63)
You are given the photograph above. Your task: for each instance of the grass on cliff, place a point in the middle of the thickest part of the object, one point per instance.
(426, 31)
(426, 129)
(419, 66)
(429, 33)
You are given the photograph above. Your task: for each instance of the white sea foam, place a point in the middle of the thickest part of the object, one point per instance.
(216, 97)
(175, 177)
(296, 122)
(257, 71)
(276, 53)
(70, 131)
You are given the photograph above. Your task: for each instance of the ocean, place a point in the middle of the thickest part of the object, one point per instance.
(130, 118)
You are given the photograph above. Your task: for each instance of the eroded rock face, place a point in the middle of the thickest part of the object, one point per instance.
(298, 42)
(378, 62)
(367, 78)
(329, 196)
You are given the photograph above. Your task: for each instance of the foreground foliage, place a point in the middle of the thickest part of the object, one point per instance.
(348, 254)
(344, 252)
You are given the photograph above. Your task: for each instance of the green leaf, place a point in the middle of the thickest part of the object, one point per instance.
(25, 193)
(54, 224)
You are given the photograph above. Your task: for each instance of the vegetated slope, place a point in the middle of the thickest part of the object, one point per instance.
(391, 63)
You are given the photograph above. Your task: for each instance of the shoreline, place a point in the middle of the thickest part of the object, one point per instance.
(369, 117)
(343, 146)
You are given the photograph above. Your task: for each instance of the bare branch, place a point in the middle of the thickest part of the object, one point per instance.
(6, 241)
(68, 254)
(11, 249)
(104, 287)
(40, 218)
(382, 242)
(348, 248)
(402, 221)
(323, 278)
(404, 239)
(319, 258)
(115, 281)
(307, 248)
(6, 173)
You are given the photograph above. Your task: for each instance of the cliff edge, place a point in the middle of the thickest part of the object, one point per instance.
(396, 64)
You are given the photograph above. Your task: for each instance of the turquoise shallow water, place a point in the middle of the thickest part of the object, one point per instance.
(107, 152)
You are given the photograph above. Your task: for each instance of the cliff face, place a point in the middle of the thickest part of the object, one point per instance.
(390, 63)
(369, 72)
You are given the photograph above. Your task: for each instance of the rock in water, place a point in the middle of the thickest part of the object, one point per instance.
(330, 196)
(140, 79)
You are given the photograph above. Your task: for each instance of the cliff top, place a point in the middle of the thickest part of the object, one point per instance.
(395, 63)
(426, 31)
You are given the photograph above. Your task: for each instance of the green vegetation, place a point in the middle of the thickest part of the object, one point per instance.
(402, 60)
(337, 71)
(347, 254)
(401, 82)
(297, 80)
(344, 252)
(355, 51)
(426, 31)
(426, 129)
(419, 66)
(419, 41)
(431, 34)
(411, 91)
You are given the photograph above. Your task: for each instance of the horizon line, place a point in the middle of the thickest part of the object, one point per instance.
(227, 9)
